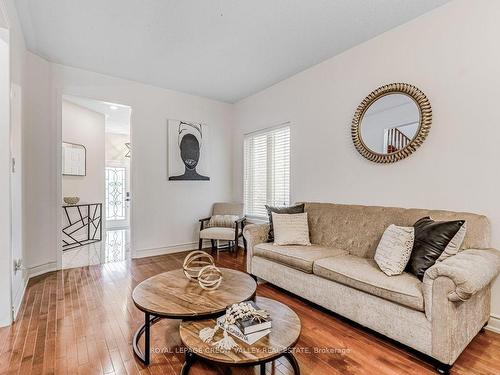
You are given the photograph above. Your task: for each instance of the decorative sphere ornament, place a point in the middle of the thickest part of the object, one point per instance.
(210, 277)
(194, 262)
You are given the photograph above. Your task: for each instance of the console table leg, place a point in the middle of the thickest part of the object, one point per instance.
(262, 369)
(293, 362)
(188, 362)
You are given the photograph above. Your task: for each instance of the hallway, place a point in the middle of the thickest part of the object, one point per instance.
(114, 248)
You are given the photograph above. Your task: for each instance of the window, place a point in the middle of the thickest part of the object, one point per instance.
(266, 170)
(115, 193)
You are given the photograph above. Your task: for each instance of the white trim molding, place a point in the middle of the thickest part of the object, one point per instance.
(171, 249)
(34, 271)
(17, 300)
(494, 323)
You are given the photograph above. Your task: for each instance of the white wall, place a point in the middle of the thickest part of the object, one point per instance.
(164, 214)
(83, 126)
(42, 200)
(453, 55)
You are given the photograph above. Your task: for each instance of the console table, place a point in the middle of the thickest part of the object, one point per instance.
(83, 224)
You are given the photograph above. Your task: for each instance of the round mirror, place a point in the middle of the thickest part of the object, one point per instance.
(391, 122)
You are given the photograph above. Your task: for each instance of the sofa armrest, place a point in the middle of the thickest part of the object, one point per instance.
(457, 299)
(470, 270)
(254, 235)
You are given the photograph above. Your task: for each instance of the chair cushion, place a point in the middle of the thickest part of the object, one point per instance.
(295, 256)
(218, 233)
(364, 274)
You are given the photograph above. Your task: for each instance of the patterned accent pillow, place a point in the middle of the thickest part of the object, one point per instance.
(291, 229)
(394, 249)
(297, 209)
(224, 221)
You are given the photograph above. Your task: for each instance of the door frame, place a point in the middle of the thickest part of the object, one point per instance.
(59, 94)
(7, 315)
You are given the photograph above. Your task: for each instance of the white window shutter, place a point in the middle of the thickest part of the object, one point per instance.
(266, 170)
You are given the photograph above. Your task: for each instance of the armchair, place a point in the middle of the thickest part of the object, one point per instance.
(228, 226)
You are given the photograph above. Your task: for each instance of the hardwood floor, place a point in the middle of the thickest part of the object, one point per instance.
(81, 321)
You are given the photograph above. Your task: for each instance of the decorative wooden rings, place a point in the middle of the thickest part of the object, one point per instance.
(210, 277)
(194, 262)
(199, 265)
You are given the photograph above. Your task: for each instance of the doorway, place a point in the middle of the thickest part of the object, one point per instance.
(101, 131)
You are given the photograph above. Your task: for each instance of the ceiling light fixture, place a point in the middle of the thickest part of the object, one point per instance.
(113, 107)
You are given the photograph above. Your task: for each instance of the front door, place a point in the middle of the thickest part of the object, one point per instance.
(117, 197)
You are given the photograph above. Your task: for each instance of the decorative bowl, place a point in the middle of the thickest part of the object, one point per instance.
(71, 200)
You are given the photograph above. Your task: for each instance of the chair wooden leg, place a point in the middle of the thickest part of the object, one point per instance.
(200, 244)
(245, 244)
(213, 245)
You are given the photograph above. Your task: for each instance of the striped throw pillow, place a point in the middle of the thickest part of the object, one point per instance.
(224, 221)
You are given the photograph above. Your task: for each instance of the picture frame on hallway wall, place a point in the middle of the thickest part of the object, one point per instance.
(187, 151)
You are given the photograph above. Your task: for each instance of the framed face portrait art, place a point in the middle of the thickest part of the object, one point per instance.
(187, 144)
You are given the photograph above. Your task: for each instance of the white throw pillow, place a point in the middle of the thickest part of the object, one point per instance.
(394, 249)
(291, 229)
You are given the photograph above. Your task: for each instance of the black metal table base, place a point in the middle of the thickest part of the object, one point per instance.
(145, 329)
(191, 358)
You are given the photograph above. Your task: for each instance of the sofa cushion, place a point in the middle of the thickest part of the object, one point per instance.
(364, 274)
(218, 233)
(295, 256)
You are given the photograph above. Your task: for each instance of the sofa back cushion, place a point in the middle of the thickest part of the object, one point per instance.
(358, 229)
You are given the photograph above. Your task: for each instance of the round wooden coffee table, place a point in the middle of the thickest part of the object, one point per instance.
(172, 295)
(284, 334)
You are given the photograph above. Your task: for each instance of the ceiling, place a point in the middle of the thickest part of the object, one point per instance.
(117, 115)
(220, 49)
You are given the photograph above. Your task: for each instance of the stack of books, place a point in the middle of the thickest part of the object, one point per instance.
(248, 330)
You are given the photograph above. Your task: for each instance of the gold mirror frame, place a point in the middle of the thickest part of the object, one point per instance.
(425, 110)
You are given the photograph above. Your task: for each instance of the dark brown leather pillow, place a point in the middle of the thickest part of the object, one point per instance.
(431, 239)
(297, 209)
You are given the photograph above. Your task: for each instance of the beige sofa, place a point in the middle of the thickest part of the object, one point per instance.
(438, 317)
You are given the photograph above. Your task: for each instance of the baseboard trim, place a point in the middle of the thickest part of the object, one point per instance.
(18, 299)
(41, 269)
(155, 251)
(494, 324)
